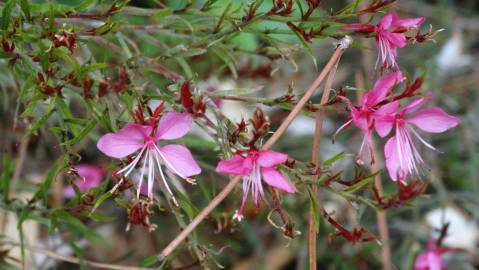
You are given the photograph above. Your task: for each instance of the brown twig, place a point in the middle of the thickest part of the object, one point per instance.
(315, 160)
(234, 181)
(70, 259)
(382, 220)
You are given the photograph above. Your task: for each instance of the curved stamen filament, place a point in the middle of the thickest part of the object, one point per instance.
(163, 178)
(140, 182)
(129, 168)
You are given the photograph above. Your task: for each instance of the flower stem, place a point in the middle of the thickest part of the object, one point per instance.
(382, 223)
(272, 140)
(315, 160)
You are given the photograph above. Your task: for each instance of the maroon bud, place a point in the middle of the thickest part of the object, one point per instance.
(139, 214)
(185, 97)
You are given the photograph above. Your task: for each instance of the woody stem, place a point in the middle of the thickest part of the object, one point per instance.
(271, 141)
(315, 160)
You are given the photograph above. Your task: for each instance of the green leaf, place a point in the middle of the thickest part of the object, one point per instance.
(223, 16)
(85, 4)
(85, 131)
(4, 55)
(100, 217)
(227, 58)
(191, 52)
(75, 225)
(21, 218)
(148, 261)
(328, 163)
(100, 201)
(236, 91)
(199, 143)
(307, 48)
(42, 192)
(78, 254)
(361, 183)
(66, 56)
(25, 6)
(6, 175)
(164, 12)
(7, 14)
(41, 121)
(121, 202)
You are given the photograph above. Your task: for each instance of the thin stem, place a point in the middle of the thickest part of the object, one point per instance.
(70, 259)
(383, 228)
(22, 154)
(272, 140)
(382, 223)
(315, 160)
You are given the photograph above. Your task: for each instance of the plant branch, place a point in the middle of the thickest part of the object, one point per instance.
(346, 41)
(74, 260)
(315, 160)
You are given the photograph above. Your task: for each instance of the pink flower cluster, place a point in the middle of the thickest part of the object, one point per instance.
(379, 111)
(390, 35)
(255, 166)
(382, 112)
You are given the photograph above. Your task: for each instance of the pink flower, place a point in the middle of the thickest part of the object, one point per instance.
(430, 259)
(253, 166)
(389, 36)
(402, 156)
(91, 177)
(134, 137)
(362, 116)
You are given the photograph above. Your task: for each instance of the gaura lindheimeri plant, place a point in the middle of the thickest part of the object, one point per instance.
(390, 35)
(431, 258)
(400, 151)
(362, 116)
(90, 177)
(256, 166)
(133, 137)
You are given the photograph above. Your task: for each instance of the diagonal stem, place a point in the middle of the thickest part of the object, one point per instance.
(315, 160)
(344, 43)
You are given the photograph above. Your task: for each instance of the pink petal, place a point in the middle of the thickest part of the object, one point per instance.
(381, 89)
(415, 104)
(421, 262)
(429, 260)
(174, 125)
(384, 118)
(90, 177)
(124, 142)
(359, 119)
(407, 23)
(386, 21)
(396, 39)
(275, 179)
(434, 120)
(393, 163)
(178, 160)
(271, 158)
(237, 165)
(388, 109)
